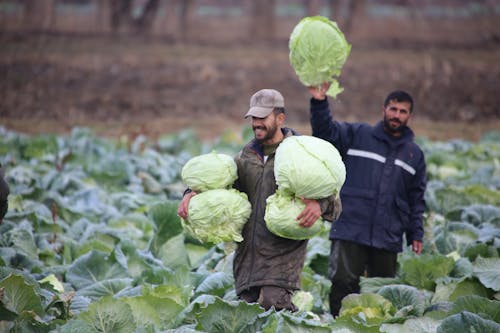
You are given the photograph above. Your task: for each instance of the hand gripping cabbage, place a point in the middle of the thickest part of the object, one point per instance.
(282, 210)
(309, 167)
(318, 50)
(209, 171)
(217, 215)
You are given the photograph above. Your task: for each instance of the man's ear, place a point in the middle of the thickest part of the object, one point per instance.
(281, 118)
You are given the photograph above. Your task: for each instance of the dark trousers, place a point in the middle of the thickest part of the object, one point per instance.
(349, 261)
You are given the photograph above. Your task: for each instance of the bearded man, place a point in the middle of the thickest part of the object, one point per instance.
(382, 197)
(267, 268)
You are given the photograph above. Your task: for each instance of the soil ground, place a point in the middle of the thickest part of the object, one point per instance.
(154, 86)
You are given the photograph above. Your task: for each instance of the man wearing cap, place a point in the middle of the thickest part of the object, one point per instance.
(267, 268)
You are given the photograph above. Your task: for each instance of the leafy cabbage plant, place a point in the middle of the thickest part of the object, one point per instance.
(309, 167)
(209, 171)
(318, 50)
(217, 215)
(367, 309)
(281, 217)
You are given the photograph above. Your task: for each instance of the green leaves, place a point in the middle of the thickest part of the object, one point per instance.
(114, 256)
(422, 271)
(488, 272)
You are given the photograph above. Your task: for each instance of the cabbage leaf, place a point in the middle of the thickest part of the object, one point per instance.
(309, 167)
(209, 172)
(281, 217)
(217, 215)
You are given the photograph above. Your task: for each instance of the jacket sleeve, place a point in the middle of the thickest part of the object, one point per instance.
(323, 126)
(331, 208)
(415, 230)
(4, 192)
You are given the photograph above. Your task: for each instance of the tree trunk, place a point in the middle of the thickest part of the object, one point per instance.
(263, 20)
(102, 16)
(313, 7)
(39, 15)
(121, 18)
(345, 12)
(144, 23)
(123, 21)
(185, 14)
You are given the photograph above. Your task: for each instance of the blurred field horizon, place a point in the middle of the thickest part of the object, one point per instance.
(74, 68)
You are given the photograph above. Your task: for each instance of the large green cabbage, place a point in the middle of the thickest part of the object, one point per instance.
(217, 215)
(309, 167)
(318, 50)
(281, 217)
(209, 171)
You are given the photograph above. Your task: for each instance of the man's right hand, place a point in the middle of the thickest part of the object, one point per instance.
(182, 211)
(319, 92)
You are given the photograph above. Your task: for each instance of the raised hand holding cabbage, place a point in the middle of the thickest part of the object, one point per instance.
(318, 51)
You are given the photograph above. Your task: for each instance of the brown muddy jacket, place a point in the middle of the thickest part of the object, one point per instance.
(262, 258)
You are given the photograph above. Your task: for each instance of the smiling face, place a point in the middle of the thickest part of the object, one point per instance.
(396, 116)
(268, 130)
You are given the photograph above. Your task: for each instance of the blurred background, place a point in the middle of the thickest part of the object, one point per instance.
(155, 67)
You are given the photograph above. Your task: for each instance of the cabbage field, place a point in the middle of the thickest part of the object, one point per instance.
(92, 243)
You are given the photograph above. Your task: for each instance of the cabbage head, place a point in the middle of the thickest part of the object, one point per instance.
(281, 214)
(209, 171)
(217, 215)
(309, 167)
(304, 300)
(318, 50)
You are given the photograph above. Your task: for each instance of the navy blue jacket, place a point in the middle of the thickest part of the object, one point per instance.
(383, 195)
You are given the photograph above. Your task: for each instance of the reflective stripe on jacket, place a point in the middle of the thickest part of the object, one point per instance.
(383, 196)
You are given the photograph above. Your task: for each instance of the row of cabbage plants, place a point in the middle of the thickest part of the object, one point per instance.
(91, 243)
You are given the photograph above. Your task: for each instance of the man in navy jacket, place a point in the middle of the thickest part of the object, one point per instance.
(382, 197)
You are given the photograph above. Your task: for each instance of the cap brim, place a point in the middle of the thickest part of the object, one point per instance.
(259, 112)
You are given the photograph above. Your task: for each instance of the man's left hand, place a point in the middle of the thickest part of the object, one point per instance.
(417, 246)
(310, 214)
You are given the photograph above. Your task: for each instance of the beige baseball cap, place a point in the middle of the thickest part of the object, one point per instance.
(263, 102)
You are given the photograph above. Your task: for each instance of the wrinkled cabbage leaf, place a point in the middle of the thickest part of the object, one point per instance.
(209, 172)
(217, 215)
(309, 167)
(281, 217)
(318, 50)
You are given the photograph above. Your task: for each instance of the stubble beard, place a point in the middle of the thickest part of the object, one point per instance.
(391, 129)
(270, 133)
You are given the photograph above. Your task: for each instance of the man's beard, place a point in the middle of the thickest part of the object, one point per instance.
(393, 130)
(270, 132)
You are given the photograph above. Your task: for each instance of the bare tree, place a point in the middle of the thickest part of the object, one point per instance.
(124, 20)
(345, 12)
(185, 13)
(176, 18)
